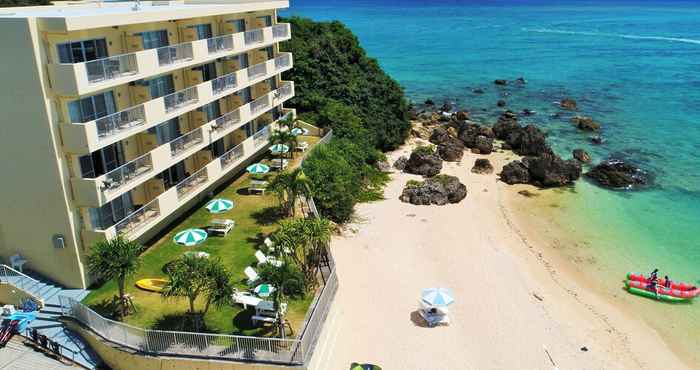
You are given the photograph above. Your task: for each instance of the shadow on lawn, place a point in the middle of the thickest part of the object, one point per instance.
(180, 322)
(268, 216)
(243, 322)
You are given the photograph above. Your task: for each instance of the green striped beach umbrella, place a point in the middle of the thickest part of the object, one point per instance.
(258, 169)
(264, 290)
(279, 148)
(299, 131)
(219, 205)
(356, 366)
(190, 237)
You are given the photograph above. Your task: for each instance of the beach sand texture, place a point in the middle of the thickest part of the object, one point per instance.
(513, 299)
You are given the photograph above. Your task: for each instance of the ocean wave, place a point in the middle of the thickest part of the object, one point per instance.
(619, 35)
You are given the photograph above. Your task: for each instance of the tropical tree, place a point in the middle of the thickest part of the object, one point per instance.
(306, 240)
(192, 277)
(284, 137)
(117, 259)
(287, 121)
(289, 186)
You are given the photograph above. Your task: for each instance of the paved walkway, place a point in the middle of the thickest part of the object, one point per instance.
(17, 356)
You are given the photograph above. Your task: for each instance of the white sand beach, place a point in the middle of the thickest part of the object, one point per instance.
(513, 299)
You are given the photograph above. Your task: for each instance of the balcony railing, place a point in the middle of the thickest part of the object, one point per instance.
(180, 99)
(254, 37)
(219, 44)
(259, 104)
(128, 172)
(191, 183)
(232, 156)
(284, 91)
(138, 219)
(261, 137)
(257, 70)
(185, 142)
(168, 55)
(109, 68)
(120, 121)
(283, 61)
(223, 83)
(228, 120)
(280, 31)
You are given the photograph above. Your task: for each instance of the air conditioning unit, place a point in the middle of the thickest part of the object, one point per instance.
(59, 241)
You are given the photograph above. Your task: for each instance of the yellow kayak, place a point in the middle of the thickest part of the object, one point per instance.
(153, 285)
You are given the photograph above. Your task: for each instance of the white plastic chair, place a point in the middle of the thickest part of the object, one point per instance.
(251, 274)
(17, 262)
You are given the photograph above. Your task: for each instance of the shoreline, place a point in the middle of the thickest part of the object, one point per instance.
(552, 306)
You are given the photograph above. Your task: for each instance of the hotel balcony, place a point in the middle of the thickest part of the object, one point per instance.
(98, 191)
(140, 221)
(87, 137)
(92, 76)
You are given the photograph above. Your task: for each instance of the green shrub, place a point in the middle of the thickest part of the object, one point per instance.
(332, 70)
(413, 184)
(424, 149)
(290, 274)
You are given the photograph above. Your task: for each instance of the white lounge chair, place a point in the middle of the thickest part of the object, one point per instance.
(197, 254)
(263, 259)
(265, 312)
(221, 226)
(302, 146)
(251, 274)
(246, 299)
(269, 243)
(257, 186)
(17, 262)
(434, 316)
(277, 164)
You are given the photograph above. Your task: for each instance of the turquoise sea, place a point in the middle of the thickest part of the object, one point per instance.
(633, 66)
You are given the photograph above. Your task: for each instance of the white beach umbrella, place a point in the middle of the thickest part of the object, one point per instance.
(190, 237)
(279, 148)
(300, 131)
(258, 169)
(219, 205)
(437, 296)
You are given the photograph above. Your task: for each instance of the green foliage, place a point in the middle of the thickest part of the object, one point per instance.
(288, 186)
(424, 149)
(410, 184)
(192, 277)
(331, 70)
(117, 259)
(287, 276)
(344, 122)
(303, 241)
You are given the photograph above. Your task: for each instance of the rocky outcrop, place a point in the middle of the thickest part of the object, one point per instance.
(501, 103)
(483, 145)
(597, 140)
(546, 170)
(581, 155)
(482, 166)
(528, 112)
(549, 170)
(500, 82)
(617, 174)
(423, 163)
(383, 166)
(461, 115)
(528, 140)
(439, 190)
(439, 135)
(507, 123)
(568, 104)
(451, 150)
(515, 173)
(585, 123)
(400, 163)
(521, 80)
(478, 91)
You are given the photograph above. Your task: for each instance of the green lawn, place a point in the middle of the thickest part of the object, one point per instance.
(255, 216)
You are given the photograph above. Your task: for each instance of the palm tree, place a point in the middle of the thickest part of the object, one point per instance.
(118, 259)
(289, 186)
(287, 121)
(191, 277)
(317, 232)
(306, 239)
(284, 138)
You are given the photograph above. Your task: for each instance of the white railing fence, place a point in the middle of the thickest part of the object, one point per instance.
(17, 279)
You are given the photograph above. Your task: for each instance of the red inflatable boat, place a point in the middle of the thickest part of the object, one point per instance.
(679, 291)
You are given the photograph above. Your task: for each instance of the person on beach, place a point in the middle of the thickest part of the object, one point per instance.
(667, 282)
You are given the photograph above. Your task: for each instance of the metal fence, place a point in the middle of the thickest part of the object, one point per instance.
(17, 279)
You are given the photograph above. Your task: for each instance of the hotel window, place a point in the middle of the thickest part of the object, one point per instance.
(245, 95)
(208, 71)
(101, 161)
(238, 25)
(173, 175)
(112, 212)
(212, 110)
(203, 31)
(92, 107)
(218, 148)
(161, 86)
(154, 39)
(266, 20)
(166, 131)
(82, 51)
(269, 50)
(242, 60)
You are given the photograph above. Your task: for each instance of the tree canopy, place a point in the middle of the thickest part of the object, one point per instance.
(331, 67)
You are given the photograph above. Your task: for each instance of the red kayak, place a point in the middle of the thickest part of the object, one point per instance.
(679, 291)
